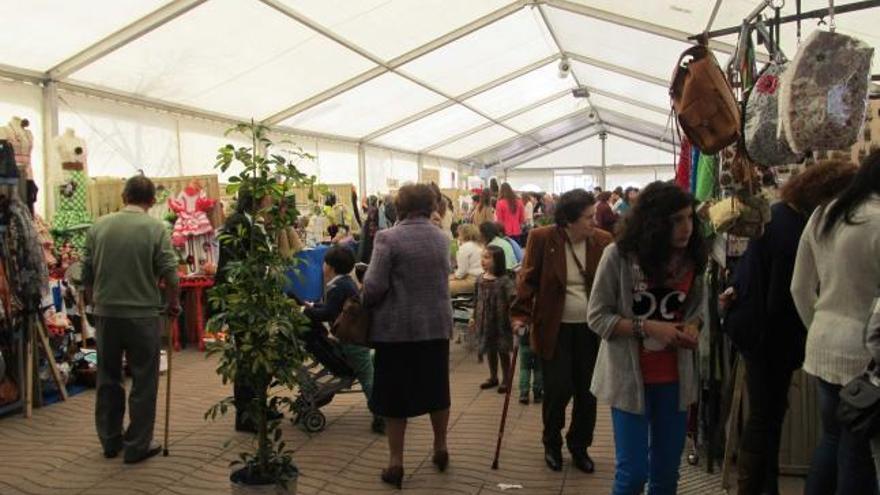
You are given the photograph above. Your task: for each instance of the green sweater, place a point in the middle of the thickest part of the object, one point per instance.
(509, 256)
(125, 256)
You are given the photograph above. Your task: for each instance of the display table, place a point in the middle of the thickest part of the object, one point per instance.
(195, 286)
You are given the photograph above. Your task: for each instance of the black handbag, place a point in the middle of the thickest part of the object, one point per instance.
(859, 407)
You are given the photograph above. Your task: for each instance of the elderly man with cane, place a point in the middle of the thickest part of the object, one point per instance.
(127, 255)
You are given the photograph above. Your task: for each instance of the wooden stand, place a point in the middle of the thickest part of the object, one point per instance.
(38, 335)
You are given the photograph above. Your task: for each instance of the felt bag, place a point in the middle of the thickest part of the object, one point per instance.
(823, 95)
(352, 326)
(859, 406)
(703, 101)
(764, 144)
(747, 210)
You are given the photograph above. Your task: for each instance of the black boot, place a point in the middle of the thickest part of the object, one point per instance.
(553, 458)
(583, 461)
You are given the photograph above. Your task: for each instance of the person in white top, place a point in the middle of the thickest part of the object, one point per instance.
(529, 208)
(836, 280)
(468, 266)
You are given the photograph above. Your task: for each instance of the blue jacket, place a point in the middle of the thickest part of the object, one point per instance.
(339, 290)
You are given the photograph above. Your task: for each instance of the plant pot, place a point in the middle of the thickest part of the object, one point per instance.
(241, 486)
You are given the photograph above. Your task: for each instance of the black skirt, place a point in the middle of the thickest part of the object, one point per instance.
(410, 378)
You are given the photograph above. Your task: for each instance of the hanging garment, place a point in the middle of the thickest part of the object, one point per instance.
(193, 232)
(72, 218)
(683, 169)
(695, 159)
(706, 173)
(27, 270)
(823, 100)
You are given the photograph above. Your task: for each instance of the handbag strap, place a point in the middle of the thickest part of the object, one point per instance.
(577, 262)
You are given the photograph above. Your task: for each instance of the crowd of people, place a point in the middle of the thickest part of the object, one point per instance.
(603, 293)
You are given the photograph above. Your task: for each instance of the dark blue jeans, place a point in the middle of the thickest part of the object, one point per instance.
(648, 446)
(842, 463)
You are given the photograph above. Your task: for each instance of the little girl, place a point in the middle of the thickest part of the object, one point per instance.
(493, 294)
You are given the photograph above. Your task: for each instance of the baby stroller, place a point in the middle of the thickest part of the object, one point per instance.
(462, 313)
(326, 375)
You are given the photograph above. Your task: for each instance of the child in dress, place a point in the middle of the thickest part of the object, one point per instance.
(494, 293)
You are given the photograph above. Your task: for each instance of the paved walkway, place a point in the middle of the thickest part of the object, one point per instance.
(57, 451)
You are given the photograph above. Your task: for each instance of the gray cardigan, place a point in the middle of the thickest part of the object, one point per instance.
(617, 378)
(407, 283)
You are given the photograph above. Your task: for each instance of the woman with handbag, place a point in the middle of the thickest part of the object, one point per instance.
(873, 344)
(645, 305)
(552, 293)
(834, 285)
(406, 288)
(764, 325)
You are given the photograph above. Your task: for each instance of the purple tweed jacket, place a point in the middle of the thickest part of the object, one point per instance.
(407, 283)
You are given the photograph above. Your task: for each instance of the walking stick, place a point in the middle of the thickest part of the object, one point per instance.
(506, 404)
(170, 326)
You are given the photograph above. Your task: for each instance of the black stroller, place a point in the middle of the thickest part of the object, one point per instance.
(326, 375)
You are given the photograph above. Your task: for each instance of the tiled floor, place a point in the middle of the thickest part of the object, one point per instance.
(57, 451)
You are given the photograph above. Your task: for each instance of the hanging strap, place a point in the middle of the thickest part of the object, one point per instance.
(580, 266)
(798, 7)
(831, 24)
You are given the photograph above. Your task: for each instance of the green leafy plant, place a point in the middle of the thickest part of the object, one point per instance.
(257, 325)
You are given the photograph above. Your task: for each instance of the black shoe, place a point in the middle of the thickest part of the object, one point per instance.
(393, 476)
(490, 383)
(441, 460)
(502, 389)
(539, 397)
(150, 452)
(111, 453)
(378, 425)
(553, 458)
(524, 400)
(583, 462)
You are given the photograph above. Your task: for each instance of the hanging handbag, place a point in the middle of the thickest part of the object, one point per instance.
(746, 211)
(352, 326)
(859, 407)
(703, 101)
(764, 143)
(823, 94)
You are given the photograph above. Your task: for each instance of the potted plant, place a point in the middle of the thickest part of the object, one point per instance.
(260, 325)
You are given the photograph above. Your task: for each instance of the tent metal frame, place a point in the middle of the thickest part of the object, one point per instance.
(57, 78)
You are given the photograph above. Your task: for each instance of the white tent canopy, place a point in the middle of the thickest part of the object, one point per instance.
(471, 82)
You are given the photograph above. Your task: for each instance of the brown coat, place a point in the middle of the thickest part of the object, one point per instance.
(540, 288)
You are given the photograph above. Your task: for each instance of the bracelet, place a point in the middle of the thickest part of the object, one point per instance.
(638, 326)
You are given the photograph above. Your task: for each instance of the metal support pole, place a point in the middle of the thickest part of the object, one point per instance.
(362, 171)
(603, 136)
(813, 14)
(421, 167)
(50, 131)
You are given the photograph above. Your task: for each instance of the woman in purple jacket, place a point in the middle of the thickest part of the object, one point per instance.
(407, 290)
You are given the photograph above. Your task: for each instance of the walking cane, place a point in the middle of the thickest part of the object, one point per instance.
(506, 404)
(170, 326)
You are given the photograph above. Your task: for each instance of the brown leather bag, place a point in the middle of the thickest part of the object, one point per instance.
(352, 326)
(704, 102)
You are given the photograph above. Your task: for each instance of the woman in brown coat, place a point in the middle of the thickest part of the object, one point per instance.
(552, 294)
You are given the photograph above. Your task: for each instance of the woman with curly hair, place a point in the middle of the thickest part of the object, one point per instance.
(644, 305)
(764, 324)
